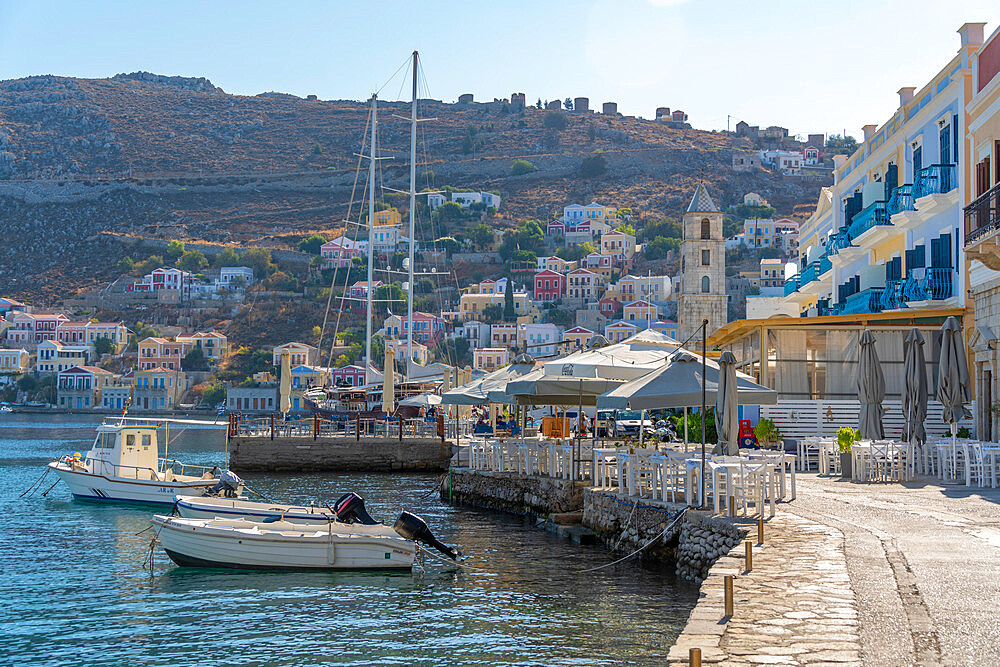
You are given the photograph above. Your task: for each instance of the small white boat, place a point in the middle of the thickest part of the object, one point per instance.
(123, 465)
(211, 507)
(348, 539)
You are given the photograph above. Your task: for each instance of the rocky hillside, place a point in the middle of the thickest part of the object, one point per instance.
(178, 157)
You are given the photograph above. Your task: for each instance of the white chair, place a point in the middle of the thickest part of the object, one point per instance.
(972, 463)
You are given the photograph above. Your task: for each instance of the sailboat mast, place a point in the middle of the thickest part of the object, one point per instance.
(371, 243)
(413, 206)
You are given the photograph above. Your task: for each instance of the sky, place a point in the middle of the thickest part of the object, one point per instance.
(806, 65)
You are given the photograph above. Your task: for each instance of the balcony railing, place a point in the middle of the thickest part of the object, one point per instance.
(935, 179)
(838, 242)
(937, 283)
(983, 215)
(871, 216)
(865, 301)
(791, 285)
(814, 270)
(808, 274)
(901, 199)
(892, 296)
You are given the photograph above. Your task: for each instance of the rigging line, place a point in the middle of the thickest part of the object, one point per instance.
(333, 282)
(389, 80)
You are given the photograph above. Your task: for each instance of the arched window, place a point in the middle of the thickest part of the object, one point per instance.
(706, 229)
(705, 285)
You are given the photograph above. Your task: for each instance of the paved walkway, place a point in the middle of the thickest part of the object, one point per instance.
(924, 563)
(873, 574)
(795, 607)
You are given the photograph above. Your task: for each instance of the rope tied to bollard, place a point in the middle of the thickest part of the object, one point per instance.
(624, 558)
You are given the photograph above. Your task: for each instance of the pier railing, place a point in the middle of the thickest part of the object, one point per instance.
(315, 428)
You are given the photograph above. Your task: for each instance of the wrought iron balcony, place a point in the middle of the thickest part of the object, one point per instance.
(892, 296)
(792, 285)
(935, 179)
(936, 284)
(838, 242)
(871, 216)
(982, 216)
(901, 199)
(865, 301)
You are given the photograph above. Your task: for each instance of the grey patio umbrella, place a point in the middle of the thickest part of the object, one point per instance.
(871, 388)
(914, 388)
(727, 417)
(953, 375)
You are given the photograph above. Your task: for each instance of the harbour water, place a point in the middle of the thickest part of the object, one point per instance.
(74, 590)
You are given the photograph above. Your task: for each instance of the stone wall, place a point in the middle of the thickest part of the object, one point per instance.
(261, 454)
(624, 524)
(513, 494)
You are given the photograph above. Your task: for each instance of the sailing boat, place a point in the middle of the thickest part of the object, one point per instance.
(367, 401)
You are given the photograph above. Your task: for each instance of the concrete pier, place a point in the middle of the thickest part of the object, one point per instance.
(338, 454)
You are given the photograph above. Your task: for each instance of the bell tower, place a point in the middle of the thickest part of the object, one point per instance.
(703, 269)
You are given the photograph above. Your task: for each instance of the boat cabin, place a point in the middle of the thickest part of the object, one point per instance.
(124, 450)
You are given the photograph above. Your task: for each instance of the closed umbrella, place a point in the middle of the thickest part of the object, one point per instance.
(285, 385)
(727, 406)
(871, 388)
(389, 382)
(953, 375)
(914, 388)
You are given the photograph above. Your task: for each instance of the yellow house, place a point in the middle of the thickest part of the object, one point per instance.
(639, 311)
(584, 284)
(577, 337)
(388, 216)
(471, 305)
(14, 361)
(490, 358)
(618, 244)
(619, 331)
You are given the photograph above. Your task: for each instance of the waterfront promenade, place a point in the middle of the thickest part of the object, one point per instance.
(874, 574)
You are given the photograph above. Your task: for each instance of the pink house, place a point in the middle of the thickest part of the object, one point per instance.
(162, 279)
(30, 329)
(72, 333)
(549, 285)
(351, 376)
(338, 252)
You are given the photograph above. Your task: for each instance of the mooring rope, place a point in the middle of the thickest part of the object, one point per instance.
(37, 482)
(623, 558)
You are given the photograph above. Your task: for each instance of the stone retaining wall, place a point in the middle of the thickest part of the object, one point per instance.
(624, 524)
(513, 494)
(261, 454)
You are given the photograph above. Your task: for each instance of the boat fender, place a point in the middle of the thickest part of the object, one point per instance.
(412, 527)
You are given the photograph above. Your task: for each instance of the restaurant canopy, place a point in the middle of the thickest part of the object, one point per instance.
(678, 383)
(579, 378)
(478, 391)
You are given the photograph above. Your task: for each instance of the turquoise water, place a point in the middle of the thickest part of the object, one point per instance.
(74, 591)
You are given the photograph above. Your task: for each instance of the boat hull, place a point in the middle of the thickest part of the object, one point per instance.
(198, 543)
(89, 486)
(204, 508)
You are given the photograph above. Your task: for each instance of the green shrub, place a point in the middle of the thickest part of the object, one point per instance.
(521, 167)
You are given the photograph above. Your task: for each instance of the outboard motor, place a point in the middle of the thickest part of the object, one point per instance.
(350, 508)
(412, 527)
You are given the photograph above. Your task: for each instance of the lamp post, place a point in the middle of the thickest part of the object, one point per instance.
(704, 345)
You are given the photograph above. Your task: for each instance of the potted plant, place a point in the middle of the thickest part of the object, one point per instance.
(768, 435)
(846, 437)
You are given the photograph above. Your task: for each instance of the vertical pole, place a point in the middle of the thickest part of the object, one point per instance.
(357, 426)
(728, 583)
(272, 427)
(760, 526)
(371, 244)
(749, 558)
(704, 350)
(413, 205)
(694, 657)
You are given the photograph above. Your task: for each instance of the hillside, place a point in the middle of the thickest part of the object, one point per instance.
(177, 157)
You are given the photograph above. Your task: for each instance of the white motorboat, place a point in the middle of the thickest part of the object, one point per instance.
(211, 507)
(349, 541)
(123, 465)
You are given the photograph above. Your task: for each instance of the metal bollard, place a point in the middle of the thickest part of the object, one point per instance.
(760, 530)
(694, 657)
(749, 558)
(728, 579)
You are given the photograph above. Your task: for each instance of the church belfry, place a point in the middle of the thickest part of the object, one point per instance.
(703, 269)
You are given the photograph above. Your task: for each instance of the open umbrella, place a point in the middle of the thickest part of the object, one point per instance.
(953, 375)
(727, 417)
(421, 401)
(871, 388)
(914, 388)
